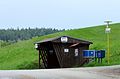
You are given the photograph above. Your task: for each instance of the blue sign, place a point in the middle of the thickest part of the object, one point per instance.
(89, 53)
(94, 53)
(100, 53)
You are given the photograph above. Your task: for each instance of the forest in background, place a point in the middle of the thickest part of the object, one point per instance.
(9, 36)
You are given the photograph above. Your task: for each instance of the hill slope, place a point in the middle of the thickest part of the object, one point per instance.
(23, 54)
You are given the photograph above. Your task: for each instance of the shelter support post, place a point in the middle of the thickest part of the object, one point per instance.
(39, 60)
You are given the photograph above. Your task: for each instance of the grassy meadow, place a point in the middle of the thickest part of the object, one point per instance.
(23, 55)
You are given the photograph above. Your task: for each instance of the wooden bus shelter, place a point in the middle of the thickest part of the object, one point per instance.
(62, 52)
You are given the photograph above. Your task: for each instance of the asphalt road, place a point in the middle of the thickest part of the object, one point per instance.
(107, 72)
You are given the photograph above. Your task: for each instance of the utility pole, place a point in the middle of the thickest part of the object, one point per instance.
(107, 31)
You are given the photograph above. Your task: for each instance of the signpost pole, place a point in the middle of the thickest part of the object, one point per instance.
(108, 49)
(108, 40)
(39, 60)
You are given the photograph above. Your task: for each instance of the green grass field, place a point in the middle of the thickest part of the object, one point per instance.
(22, 55)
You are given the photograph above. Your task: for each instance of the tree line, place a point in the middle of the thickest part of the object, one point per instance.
(24, 34)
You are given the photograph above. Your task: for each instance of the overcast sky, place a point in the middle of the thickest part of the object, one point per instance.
(61, 14)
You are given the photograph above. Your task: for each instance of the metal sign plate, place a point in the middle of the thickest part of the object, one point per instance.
(64, 39)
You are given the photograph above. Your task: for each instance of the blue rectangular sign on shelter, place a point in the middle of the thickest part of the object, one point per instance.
(89, 53)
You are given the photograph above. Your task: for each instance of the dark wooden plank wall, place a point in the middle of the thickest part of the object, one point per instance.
(67, 59)
(52, 57)
(59, 54)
